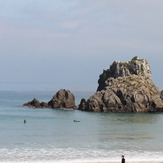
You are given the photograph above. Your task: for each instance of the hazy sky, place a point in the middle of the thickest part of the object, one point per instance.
(69, 42)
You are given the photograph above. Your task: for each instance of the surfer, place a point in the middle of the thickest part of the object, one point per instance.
(76, 121)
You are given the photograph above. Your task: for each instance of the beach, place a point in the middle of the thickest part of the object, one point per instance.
(84, 162)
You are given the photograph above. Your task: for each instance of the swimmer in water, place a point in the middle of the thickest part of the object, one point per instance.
(76, 121)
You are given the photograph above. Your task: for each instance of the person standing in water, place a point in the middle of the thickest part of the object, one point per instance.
(123, 159)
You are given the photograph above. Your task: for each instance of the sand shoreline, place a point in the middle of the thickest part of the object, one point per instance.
(127, 161)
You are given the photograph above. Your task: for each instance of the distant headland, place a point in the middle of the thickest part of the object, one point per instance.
(124, 87)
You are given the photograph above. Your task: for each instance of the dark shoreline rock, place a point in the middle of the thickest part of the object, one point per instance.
(62, 99)
(36, 104)
(125, 87)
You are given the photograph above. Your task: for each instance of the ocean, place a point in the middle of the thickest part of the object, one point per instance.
(51, 135)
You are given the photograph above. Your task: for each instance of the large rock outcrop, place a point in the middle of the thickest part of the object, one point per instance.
(62, 99)
(136, 66)
(125, 87)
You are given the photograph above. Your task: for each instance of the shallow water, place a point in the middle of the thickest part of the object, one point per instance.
(51, 135)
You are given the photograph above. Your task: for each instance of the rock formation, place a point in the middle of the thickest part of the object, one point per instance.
(62, 99)
(125, 87)
(35, 103)
(136, 66)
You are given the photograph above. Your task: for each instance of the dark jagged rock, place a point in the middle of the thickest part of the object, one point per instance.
(83, 104)
(161, 95)
(125, 87)
(34, 103)
(62, 99)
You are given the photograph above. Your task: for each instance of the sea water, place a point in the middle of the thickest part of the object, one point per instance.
(51, 135)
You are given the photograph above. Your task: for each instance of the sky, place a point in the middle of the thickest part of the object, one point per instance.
(68, 43)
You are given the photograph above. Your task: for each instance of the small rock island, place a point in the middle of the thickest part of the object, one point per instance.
(62, 99)
(125, 87)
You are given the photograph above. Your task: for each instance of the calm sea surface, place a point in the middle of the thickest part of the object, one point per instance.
(51, 135)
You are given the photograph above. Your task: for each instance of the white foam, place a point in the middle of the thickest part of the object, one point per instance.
(73, 155)
(86, 161)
